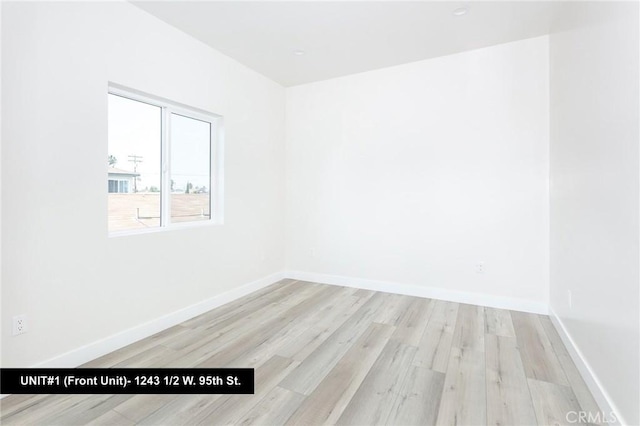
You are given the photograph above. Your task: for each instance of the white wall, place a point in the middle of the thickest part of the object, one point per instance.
(76, 284)
(2, 323)
(413, 174)
(595, 193)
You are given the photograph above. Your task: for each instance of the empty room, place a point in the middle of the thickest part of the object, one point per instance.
(320, 213)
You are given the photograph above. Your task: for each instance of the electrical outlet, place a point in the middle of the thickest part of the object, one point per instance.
(569, 299)
(19, 324)
(480, 267)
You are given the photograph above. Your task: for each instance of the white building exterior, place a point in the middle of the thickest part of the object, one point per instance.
(121, 181)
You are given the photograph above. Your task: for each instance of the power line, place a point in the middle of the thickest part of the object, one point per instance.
(135, 159)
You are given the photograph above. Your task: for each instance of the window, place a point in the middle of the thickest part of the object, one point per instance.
(118, 186)
(163, 164)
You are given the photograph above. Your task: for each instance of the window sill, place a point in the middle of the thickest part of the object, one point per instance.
(172, 227)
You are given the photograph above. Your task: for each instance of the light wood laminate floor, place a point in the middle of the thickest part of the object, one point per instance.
(334, 355)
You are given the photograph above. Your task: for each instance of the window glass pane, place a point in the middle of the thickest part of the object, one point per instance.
(134, 164)
(190, 169)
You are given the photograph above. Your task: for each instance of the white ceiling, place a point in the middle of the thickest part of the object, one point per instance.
(346, 37)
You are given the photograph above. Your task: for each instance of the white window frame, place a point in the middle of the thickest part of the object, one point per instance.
(216, 151)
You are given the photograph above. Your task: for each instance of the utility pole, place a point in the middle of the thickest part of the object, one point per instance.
(135, 159)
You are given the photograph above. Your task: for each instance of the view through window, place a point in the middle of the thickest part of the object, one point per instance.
(190, 169)
(157, 177)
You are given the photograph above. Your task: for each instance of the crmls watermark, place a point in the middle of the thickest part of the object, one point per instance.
(584, 417)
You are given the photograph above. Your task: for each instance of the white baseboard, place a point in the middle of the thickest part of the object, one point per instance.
(114, 342)
(422, 291)
(599, 393)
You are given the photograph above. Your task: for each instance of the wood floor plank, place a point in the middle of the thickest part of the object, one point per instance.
(578, 385)
(274, 409)
(469, 330)
(13, 404)
(323, 309)
(130, 351)
(193, 339)
(434, 349)
(235, 309)
(507, 403)
(156, 356)
(393, 308)
(498, 322)
(464, 395)
(42, 410)
(376, 396)
(538, 357)
(180, 410)
(229, 409)
(435, 345)
(220, 409)
(553, 403)
(419, 399)
(463, 399)
(111, 418)
(229, 354)
(295, 294)
(289, 296)
(332, 319)
(45, 410)
(413, 321)
(363, 293)
(327, 402)
(138, 407)
(445, 314)
(87, 410)
(256, 325)
(320, 362)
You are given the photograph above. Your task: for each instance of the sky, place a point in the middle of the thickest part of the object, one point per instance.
(135, 129)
